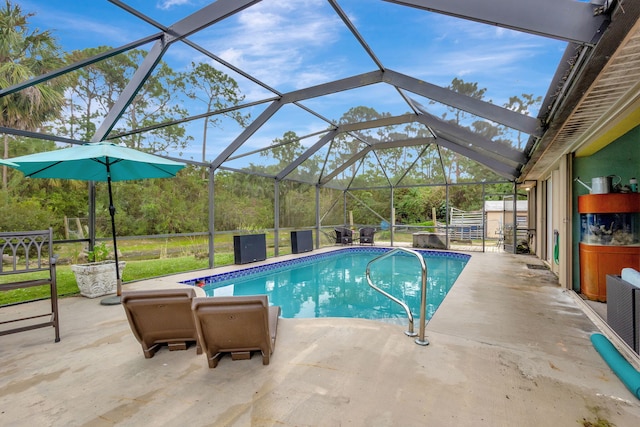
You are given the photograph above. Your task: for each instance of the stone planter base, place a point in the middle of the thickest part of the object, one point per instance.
(430, 240)
(96, 279)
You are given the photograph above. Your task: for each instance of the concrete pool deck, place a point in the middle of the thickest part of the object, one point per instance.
(508, 347)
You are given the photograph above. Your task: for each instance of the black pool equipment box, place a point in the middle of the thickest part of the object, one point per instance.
(301, 241)
(249, 248)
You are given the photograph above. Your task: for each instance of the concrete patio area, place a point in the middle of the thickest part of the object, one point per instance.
(508, 347)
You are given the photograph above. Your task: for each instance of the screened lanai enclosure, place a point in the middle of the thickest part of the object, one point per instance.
(406, 116)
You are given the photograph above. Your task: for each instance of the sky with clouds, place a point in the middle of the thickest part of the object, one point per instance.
(292, 44)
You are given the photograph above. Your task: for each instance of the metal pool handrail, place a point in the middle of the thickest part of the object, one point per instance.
(421, 340)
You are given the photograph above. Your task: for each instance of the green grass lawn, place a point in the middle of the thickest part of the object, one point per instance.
(135, 270)
(145, 258)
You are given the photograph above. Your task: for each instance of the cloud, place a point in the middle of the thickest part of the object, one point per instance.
(478, 60)
(274, 41)
(79, 30)
(169, 4)
(504, 61)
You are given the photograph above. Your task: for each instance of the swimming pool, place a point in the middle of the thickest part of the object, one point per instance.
(333, 284)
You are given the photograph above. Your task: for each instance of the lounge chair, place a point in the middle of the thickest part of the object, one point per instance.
(161, 316)
(344, 236)
(366, 235)
(236, 325)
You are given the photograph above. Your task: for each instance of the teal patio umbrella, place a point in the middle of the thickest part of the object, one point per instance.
(98, 161)
(4, 162)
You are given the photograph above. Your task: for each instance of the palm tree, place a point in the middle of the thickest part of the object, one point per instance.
(25, 54)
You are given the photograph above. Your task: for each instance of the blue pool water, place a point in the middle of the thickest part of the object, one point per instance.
(334, 284)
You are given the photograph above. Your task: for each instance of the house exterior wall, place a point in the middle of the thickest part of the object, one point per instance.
(494, 216)
(494, 223)
(564, 221)
(621, 158)
(556, 201)
(557, 196)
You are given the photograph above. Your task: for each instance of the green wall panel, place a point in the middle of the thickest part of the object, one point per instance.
(621, 158)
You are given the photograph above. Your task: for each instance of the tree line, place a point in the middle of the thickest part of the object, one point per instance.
(73, 105)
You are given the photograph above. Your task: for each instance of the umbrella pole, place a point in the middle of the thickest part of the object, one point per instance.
(114, 300)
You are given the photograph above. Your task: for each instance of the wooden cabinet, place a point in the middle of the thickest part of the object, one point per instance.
(609, 239)
(598, 261)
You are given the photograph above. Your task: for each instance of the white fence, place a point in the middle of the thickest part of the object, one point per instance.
(466, 224)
